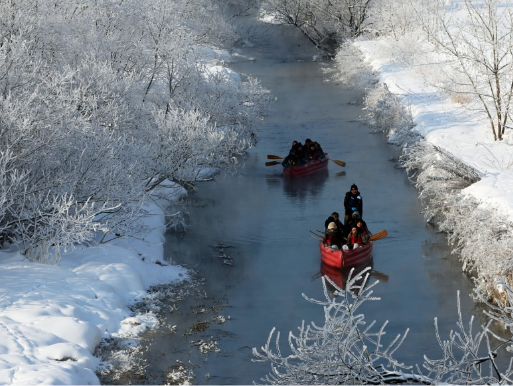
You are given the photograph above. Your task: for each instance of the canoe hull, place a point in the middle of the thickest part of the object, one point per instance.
(305, 169)
(339, 276)
(343, 259)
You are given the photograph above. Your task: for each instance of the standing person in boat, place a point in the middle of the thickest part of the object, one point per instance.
(336, 219)
(354, 239)
(332, 237)
(352, 202)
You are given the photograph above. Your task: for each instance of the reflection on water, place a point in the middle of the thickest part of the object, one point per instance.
(303, 188)
(340, 276)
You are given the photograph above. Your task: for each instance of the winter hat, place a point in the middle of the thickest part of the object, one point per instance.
(332, 225)
(354, 186)
(356, 214)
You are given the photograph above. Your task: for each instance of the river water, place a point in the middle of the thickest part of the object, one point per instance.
(250, 239)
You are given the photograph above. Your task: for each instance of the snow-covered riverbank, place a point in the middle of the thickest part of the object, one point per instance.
(479, 216)
(52, 317)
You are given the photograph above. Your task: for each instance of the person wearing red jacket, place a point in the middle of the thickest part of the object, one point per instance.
(354, 239)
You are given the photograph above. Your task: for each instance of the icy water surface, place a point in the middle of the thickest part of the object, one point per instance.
(250, 234)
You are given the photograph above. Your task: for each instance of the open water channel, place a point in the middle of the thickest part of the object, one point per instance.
(263, 223)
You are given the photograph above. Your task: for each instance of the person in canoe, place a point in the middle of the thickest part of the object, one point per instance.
(332, 237)
(363, 231)
(336, 219)
(313, 154)
(352, 202)
(319, 150)
(313, 150)
(355, 218)
(296, 155)
(308, 146)
(354, 239)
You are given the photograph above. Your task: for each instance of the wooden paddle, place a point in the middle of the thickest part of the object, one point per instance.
(338, 162)
(378, 275)
(379, 235)
(270, 156)
(272, 163)
(318, 236)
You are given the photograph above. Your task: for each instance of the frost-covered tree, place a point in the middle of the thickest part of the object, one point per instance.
(348, 350)
(475, 45)
(99, 102)
(326, 22)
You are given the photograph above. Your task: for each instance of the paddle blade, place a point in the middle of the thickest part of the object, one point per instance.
(339, 163)
(272, 163)
(380, 276)
(270, 156)
(379, 235)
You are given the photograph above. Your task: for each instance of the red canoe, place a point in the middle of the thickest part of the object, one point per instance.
(350, 258)
(305, 169)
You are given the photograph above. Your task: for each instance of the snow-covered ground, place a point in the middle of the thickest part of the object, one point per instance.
(451, 127)
(52, 317)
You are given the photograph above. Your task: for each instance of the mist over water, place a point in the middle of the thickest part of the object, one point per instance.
(250, 233)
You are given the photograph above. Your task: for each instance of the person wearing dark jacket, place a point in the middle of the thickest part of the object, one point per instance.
(355, 218)
(334, 218)
(332, 237)
(319, 150)
(292, 158)
(352, 202)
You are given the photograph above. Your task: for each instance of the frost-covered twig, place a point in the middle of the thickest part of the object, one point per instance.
(348, 350)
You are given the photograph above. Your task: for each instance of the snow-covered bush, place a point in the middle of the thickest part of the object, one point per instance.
(386, 113)
(348, 350)
(438, 175)
(351, 69)
(326, 23)
(101, 101)
(485, 250)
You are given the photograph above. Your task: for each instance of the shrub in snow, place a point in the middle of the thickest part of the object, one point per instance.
(484, 250)
(351, 69)
(349, 350)
(386, 113)
(325, 22)
(482, 237)
(92, 122)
